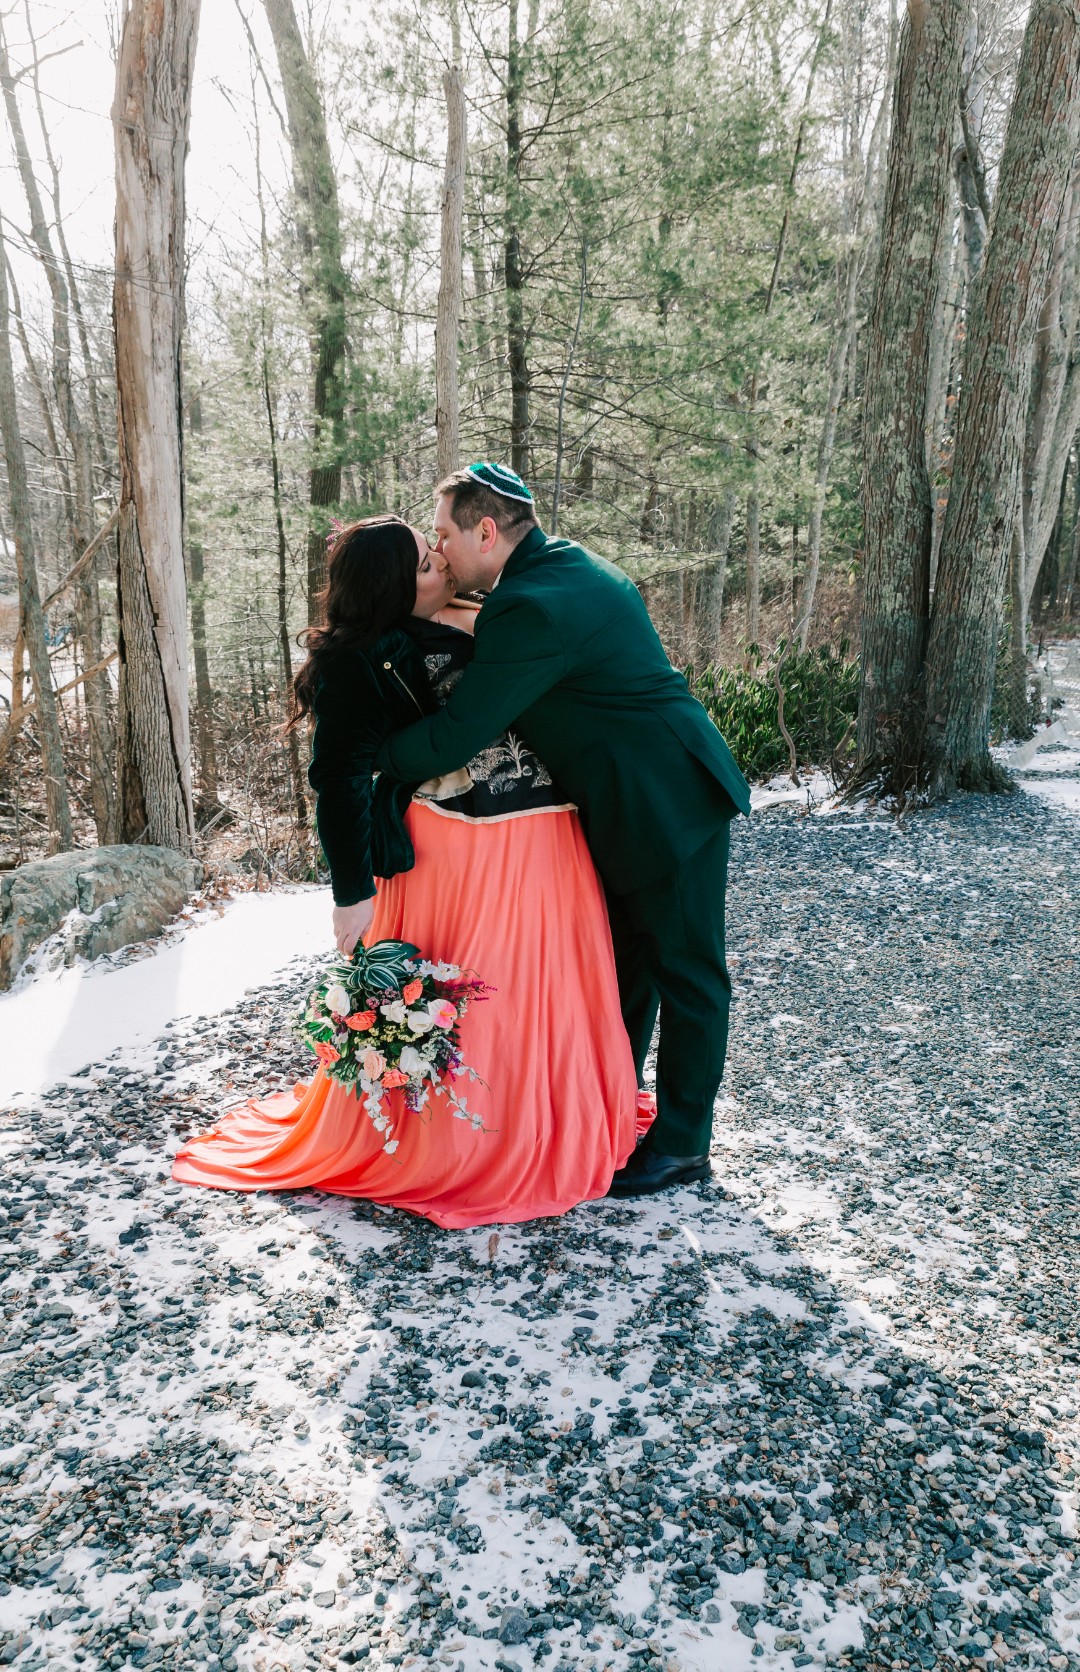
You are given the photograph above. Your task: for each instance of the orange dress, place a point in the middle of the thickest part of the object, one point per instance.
(518, 901)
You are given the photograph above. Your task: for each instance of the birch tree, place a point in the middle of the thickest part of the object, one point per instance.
(151, 114)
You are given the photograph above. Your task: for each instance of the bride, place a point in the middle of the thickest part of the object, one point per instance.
(488, 869)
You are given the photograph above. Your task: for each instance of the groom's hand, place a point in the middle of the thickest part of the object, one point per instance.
(351, 924)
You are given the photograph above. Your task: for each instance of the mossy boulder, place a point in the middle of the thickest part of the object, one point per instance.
(90, 902)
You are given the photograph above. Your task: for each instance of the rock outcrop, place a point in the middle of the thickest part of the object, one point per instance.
(90, 902)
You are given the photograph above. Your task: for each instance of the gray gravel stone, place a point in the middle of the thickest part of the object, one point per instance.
(827, 1402)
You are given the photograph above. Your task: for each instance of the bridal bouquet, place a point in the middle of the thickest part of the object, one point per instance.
(387, 1019)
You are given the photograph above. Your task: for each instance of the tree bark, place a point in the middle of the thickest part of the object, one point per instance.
(150, 117)
(32, 619)
(897, 510)
(316, 190)
(513, 265)
(448, 308)
(1040, 148)
(1053, 412)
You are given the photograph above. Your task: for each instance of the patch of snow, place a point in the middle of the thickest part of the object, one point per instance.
(1048, 765)
(815, 791)
(62, 1020)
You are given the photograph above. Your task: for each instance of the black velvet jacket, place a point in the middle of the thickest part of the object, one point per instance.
(360, 698)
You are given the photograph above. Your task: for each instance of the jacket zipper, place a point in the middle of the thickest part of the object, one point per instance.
(390, 668)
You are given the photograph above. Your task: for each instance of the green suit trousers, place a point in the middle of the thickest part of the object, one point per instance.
(670, 959)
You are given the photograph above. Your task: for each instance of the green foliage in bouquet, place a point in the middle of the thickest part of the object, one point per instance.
(387, 1020)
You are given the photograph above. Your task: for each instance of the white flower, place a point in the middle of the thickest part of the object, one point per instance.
(440, 972)
(338, 1000)
(420, 1021)
(394, 1011)
(391, 1146)
(411, 1061)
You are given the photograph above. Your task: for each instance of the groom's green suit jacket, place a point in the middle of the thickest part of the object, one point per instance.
(567, 656)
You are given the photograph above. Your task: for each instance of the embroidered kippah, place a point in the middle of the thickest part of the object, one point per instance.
(500, 480)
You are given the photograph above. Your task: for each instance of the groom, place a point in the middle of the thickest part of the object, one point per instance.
(567, 655)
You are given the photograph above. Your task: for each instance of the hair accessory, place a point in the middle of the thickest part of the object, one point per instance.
(500, 480)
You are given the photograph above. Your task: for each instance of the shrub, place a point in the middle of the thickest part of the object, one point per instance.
(821, 691)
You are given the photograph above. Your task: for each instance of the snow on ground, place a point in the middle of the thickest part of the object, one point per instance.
(820, 1412)
(55, 1024)
(1049, 765)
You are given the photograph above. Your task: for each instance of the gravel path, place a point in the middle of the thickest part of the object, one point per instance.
(821, 1412)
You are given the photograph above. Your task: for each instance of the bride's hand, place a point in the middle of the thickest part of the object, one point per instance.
(351, 924)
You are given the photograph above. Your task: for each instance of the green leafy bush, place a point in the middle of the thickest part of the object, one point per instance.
(821, 690)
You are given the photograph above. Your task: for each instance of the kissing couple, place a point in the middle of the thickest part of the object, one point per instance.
(523, 787)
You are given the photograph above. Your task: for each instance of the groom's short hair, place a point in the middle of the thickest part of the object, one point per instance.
(470, 500)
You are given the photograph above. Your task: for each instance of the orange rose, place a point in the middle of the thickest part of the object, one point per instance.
(360, 1023)
(327, 1053)
(412, 991)
(394, 1078)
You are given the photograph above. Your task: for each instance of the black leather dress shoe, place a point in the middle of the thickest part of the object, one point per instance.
(646, 1172)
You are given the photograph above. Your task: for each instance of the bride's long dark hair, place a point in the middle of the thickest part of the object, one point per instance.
(370, 588)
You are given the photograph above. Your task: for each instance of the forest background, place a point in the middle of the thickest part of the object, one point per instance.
(669, 221)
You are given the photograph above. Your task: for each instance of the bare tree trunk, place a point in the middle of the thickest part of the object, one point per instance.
(710, 595)
(513, 266)
(897, 512)
(32, 620)
(1072, 562)
(316, 189)
(1053, 413)
(826, 443)
(90, 371)
(753, 566)
(20, 708)
(448, 309)
(844, 344)
(967, 159)
(150, 117)
(206, 747)
(1040, 147)
(292, 742)
(1016, 660)
(796, 159)
(483, 369)
(81, 511)
(941, 381)
(753, 500)
(571, 351)
(206, 751)
(650, 510)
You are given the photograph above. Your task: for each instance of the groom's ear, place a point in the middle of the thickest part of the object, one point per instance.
(489, 533)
